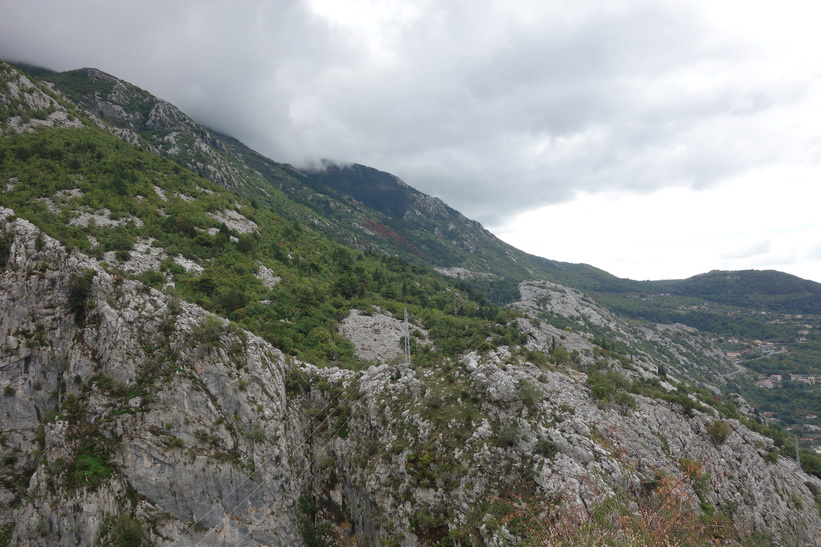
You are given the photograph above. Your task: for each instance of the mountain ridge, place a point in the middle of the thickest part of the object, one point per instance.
(181, 358)
(581, 276)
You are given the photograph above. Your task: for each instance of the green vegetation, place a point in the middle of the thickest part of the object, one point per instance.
(611, 389)
(79, 292)
(129, 198)
(91, 469)
(319, 280)
(719, 431)
(6, 532)
(124, 531)
(5, 248)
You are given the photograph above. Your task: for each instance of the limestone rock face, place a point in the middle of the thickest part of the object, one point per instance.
(150, 408)
(126, 411)
(378, 337)
(25, 106)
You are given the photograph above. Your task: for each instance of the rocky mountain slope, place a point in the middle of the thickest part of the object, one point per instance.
(427, 229)
(147, 417)
(183, 366)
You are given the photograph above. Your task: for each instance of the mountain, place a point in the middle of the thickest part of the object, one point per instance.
(369, 209)
(234, 360)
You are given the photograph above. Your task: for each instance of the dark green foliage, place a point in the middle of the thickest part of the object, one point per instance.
(719, 431)
(560, 356)
(152, 278)
(5, 248)
(255, 433)
(508, 436)
(611, 389)
(545, 448)
(310, 532)
(811, 463)
(208, 333)
(77, 84)
(79, 292)
(91, 470)
(529, 394)
(6, 533)
(126, 531)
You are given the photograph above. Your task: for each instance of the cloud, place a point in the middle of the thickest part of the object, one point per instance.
(749, 250)
(498, 108)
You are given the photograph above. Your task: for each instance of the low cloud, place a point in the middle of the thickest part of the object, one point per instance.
(498, 108)
(748, 251)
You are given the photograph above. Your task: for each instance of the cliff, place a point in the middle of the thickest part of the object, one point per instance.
(131, 414)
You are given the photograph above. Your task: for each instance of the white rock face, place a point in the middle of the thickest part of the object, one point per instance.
(48, 112)
(166, 446)
(267, 277)
(103, 218)
(235, 221)
(463, 273)
(378, 337)
(142, 258)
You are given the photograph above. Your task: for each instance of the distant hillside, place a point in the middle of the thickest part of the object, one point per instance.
(767, 290)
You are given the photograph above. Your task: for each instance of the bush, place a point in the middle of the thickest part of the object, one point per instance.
(5, 248)
(545, 448)
(508, 436)
(529, 394)
(91, 469)
(255, 433)
(79, 292)
(126, 531)
(208, 333)
(561, 356)
(719, 431)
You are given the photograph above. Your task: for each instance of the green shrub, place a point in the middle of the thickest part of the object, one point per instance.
(255, 433)
(545, 448)
(126, 531)
(625, 401)
(560, 355)
(508, 436)
(719, 431)
(91, 469)
(79, 292)
(529, 394)
(208, 333)
(5, 248)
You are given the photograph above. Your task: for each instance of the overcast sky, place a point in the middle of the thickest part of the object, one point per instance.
(651, 138)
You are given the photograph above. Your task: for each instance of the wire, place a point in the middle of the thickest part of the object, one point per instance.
(249, 476)
(330, 414)
(310, 464)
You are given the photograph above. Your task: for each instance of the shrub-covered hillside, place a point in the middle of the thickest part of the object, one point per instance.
(152, 220)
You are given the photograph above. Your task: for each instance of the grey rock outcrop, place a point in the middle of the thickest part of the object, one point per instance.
(26, 105)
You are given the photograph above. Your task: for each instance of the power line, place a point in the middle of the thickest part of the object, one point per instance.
(305, 470)
(249, 475)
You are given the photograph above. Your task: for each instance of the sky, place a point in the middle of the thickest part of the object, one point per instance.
(655, 139)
